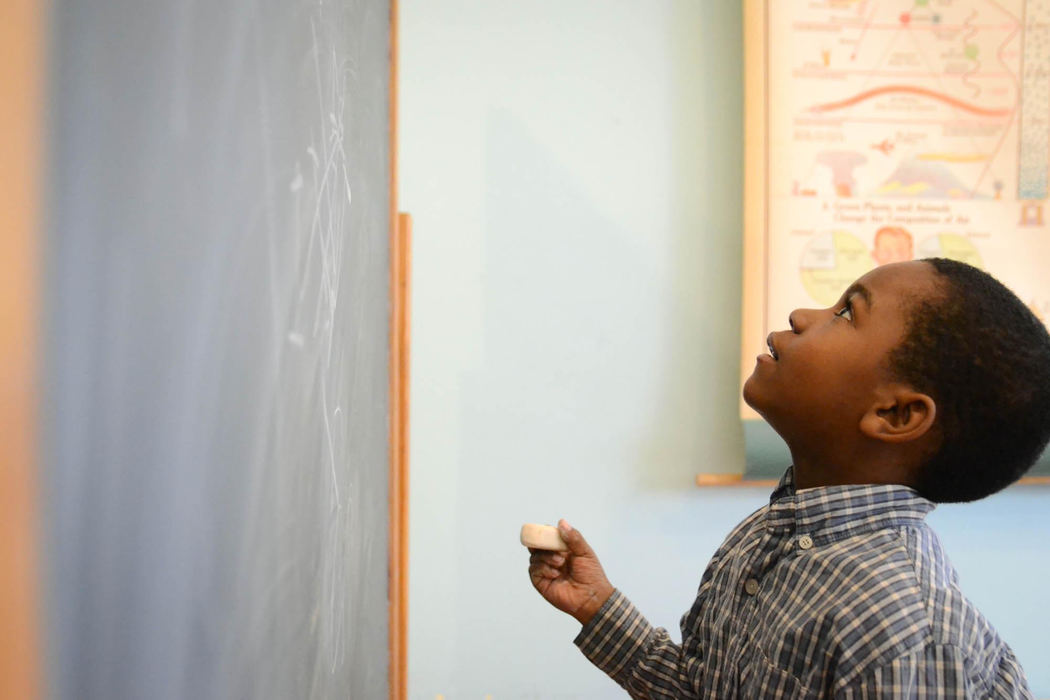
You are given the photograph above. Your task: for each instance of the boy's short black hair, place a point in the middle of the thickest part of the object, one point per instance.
(984, 358)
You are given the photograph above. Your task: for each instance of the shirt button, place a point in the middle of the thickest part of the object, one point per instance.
(751, 586)
(805, 542)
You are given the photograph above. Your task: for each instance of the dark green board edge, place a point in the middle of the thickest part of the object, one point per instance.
(767, 456)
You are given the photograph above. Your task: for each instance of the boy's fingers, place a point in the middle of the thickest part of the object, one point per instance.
(542, 556)
(542, 570)
(577, 545)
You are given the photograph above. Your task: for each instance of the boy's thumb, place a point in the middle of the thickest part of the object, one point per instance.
(577, 545)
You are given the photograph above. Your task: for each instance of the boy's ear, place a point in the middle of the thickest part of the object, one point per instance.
(899, 414)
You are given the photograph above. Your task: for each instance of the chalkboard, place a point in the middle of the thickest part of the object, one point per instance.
(214, 422)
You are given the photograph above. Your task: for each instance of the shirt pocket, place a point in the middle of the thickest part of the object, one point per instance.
(761, 678)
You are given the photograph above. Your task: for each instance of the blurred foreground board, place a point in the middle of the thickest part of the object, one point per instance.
(215, 422)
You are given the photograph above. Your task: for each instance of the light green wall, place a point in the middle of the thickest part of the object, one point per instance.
(574, 174)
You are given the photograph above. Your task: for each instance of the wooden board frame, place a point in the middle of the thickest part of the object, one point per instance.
(22, 74)
(399, 412)
(400, 296)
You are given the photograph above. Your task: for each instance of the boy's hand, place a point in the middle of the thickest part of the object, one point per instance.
(571, 581)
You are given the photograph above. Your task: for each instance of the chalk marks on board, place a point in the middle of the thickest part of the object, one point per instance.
(321, 191)
(326, 202)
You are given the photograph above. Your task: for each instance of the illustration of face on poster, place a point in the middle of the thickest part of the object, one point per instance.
(892, 244)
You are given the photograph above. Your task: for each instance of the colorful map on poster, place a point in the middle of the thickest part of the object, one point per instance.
(900, 129)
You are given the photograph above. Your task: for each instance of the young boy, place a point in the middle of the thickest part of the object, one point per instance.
(928, 382)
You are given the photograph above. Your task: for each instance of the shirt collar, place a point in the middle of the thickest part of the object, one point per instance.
(829, 513)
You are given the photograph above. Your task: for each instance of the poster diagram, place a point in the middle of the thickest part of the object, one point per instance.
(926, 99)
(883, 130)
(891, 130)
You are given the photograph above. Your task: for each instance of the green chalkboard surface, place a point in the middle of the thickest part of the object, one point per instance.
(215, 430)
(768, 456)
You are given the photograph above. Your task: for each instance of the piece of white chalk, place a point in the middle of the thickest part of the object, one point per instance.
(542, 537)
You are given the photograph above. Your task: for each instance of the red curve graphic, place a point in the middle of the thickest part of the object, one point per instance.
(940, 96)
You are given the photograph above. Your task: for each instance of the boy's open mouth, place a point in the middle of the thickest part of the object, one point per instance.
(772, 350)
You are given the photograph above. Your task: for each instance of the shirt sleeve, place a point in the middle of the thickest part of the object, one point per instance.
(638, 656)
(936, 672)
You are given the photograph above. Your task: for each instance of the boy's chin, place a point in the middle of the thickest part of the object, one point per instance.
(754, 397)
(752, 394)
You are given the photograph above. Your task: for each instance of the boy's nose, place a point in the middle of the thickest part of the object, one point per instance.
(799, 319)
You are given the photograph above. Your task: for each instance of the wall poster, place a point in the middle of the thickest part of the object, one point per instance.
(885, 130)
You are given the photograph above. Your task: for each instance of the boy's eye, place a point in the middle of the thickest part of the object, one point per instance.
(845, 312)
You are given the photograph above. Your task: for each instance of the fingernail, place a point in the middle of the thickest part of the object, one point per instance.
(564, 526)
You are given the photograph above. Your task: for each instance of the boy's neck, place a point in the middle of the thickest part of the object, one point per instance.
(812, 472)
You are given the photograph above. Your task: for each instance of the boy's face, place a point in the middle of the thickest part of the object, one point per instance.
(822, 375)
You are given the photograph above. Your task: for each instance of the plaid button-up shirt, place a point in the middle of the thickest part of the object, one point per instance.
(833, 592)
